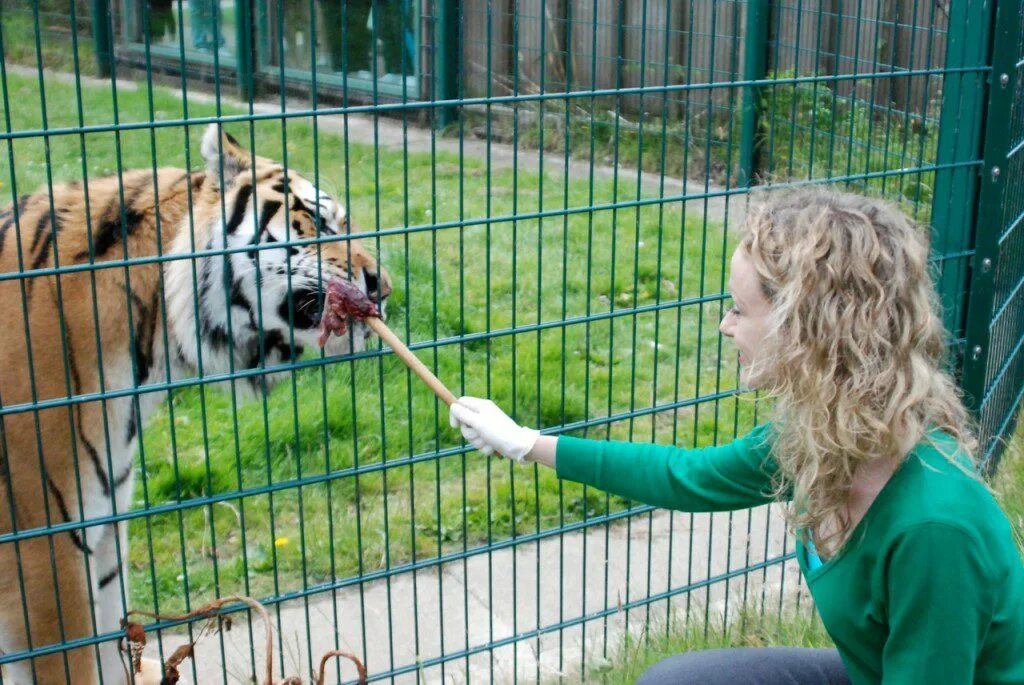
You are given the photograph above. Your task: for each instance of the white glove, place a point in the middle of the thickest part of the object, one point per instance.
(490, 430)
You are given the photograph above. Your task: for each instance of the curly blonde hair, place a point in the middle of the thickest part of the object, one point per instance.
(855, 348)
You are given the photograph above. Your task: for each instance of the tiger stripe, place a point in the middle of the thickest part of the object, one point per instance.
(238, 210)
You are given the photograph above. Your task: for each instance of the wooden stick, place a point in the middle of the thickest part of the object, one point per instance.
(410, 359)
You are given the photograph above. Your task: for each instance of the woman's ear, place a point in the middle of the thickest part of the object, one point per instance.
(225, 158)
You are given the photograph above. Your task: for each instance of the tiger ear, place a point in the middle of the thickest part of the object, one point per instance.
(218, 145)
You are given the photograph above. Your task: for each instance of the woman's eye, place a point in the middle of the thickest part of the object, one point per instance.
(734, 310)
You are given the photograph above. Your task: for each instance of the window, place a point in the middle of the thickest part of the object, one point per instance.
(201, 27)
(357, 39)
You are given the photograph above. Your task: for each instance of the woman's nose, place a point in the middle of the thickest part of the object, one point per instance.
(726, 326)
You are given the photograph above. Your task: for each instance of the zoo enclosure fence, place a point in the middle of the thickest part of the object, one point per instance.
(919, 101)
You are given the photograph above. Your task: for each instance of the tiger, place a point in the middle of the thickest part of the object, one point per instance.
(147, 278)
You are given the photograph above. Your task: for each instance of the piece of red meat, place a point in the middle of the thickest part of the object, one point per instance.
(344, 300)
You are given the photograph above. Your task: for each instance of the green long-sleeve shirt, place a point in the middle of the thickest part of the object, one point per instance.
(930, 587)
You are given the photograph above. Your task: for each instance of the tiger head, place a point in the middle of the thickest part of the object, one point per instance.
(251, 302)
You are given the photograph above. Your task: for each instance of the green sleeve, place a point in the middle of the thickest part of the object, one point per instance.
(733, 476)
(939, 604)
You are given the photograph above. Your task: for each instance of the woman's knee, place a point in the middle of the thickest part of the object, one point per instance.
(693, 667)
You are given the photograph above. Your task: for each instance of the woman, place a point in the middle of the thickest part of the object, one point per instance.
(912, 565)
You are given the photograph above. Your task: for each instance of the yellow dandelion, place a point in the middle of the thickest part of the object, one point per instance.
(280, 542)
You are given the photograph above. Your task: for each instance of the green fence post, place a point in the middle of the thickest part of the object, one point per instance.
(960, 124)
(101, 36)
(991, 219)
(446, 65)
(244, 28)
(755, 64)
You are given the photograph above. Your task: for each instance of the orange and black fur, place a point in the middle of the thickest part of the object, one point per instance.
(80, 333)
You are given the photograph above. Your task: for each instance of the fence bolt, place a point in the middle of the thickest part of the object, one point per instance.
(986, 264)
(976, 353)
(1004, 79)
(995, 174)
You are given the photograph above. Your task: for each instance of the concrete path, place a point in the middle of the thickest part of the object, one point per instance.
(524, 591)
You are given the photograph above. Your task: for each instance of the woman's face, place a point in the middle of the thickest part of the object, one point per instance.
(747, 322)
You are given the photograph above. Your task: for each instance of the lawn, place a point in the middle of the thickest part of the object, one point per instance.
(56, 38)
(389, 498)
(807, 131)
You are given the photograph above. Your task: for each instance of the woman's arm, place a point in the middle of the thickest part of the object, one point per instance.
(941, 592)
(732, 476)
(736, 475)
(543, 451)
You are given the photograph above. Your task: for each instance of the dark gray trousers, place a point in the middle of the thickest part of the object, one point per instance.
(750, 666)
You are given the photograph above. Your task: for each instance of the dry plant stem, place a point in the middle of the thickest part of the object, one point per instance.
(347, 655)
(137, 639)
(208, 610)
(136, 643)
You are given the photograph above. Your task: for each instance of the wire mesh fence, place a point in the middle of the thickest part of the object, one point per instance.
(550, 189)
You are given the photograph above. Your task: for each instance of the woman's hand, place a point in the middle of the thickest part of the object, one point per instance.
(490, 430)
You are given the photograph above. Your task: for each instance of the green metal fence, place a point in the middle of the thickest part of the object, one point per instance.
(993, 366)
(553, 186)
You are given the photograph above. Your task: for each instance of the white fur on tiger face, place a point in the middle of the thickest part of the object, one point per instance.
(247, 307)
(254, 285)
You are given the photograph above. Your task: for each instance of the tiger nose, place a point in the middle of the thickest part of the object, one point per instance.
(378, 284)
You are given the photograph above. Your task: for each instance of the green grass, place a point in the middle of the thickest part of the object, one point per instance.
(755, 629)
(657, 145)
(1009, 483)
(748, 629)
(18, 26)
(807, 130)
(448, 282)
